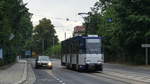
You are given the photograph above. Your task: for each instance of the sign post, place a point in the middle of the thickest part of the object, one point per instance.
(1, 53)
(146, 46)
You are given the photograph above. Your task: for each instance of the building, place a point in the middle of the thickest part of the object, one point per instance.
(79, 31)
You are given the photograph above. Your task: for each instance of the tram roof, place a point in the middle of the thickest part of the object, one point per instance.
(83, 37)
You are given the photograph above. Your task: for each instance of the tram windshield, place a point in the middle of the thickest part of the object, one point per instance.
(93, 46)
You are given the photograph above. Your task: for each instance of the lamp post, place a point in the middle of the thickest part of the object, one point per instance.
(86, 31)
(43, 46)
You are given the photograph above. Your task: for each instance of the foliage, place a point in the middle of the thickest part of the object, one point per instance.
(14, 20)
(44, 36)
(124, 24)
(55, 51)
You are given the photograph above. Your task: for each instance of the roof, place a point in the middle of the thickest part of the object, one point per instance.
(81, 37)
(79, 29)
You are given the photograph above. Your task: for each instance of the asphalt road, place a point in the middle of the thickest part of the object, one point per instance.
(61, 75)
(74, 77)
(112, 74)
(42, 77)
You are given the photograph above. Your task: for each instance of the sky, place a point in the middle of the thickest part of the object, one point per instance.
(58, 11)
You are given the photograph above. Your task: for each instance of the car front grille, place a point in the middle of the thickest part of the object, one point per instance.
(43, 63)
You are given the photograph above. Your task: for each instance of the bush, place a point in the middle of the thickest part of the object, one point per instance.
(1, 62)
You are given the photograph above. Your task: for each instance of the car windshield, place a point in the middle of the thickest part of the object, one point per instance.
(44, 58)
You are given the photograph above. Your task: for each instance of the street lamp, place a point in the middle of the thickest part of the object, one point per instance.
(89, 13)
(84, 13)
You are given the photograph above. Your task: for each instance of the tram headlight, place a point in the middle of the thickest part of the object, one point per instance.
(99, 62)
(88, 61)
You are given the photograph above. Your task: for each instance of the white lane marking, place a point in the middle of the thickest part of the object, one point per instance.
(59, 80)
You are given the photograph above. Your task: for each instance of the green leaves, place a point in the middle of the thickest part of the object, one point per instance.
(44, 36)
(128, 29)
(54, 51)
(14, 19)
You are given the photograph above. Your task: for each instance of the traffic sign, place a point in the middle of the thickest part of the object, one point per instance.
(109, 19)
(145, 45)
(28, 52)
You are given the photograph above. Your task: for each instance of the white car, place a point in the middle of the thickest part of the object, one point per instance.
(43, 61)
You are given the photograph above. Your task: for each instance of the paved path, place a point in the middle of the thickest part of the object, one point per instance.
(13, 74)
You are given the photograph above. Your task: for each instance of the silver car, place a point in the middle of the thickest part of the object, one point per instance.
(43, 61)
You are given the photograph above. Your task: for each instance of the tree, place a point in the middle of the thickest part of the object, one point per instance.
(44, 36)
(124, 24)
(14, 19)
(54, 51)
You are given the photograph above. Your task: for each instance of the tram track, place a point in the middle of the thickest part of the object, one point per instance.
(58, 74)
(115, 76)
(122, 76)
(99, 75)
(141, 77)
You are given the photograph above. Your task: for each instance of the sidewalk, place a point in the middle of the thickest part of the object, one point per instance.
(131, 68)
(14, 74)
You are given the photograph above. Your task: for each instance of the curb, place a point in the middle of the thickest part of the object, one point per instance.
(24, 77)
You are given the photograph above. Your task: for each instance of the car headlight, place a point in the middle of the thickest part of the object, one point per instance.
(99, 62)
(38, 62)
(49, 64)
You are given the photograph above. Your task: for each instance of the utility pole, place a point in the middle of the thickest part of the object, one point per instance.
(146, 46)
(86, 30)
(53, 46)
(146, 56)
(53, 42)
(43, 46)
(65, 35)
